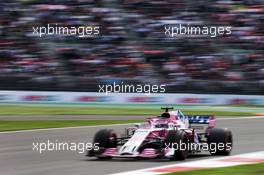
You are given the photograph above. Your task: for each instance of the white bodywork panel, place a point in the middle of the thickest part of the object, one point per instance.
(132, 145)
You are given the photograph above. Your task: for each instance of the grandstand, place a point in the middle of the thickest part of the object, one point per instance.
(132, 47)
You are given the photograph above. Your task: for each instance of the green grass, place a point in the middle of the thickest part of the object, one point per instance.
(253, 169)
(41, 124)
(93, 110)
(245, 105)
(148, 111)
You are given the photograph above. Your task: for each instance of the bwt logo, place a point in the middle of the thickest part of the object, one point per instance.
(244, 101)
(195, 100)
(93, 99)
(238, 101)
(39, 98)
(144, 99)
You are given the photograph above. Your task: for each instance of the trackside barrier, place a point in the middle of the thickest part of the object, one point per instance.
(126, 98)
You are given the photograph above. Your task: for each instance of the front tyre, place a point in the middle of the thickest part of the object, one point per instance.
(104, 138)
(179, 141)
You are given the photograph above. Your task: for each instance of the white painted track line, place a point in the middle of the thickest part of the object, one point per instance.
(80, 127)
(74, 127)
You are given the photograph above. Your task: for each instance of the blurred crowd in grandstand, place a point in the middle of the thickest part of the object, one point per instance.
(132, 46)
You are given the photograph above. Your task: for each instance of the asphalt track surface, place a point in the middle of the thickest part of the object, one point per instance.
(18, 158)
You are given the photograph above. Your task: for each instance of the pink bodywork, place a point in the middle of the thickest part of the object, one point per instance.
(157, 120)
(150, 152)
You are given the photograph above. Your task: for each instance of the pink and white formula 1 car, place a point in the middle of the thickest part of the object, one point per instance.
(171, 135)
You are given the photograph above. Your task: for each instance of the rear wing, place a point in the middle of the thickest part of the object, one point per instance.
(200, 119)
(198, 122)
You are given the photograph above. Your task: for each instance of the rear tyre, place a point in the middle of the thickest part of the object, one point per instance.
(220, 141)
(104, 138)
(179, 141)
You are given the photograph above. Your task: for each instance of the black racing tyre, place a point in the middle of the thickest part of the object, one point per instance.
(104, 138)
(177, 138)
(220, 141)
